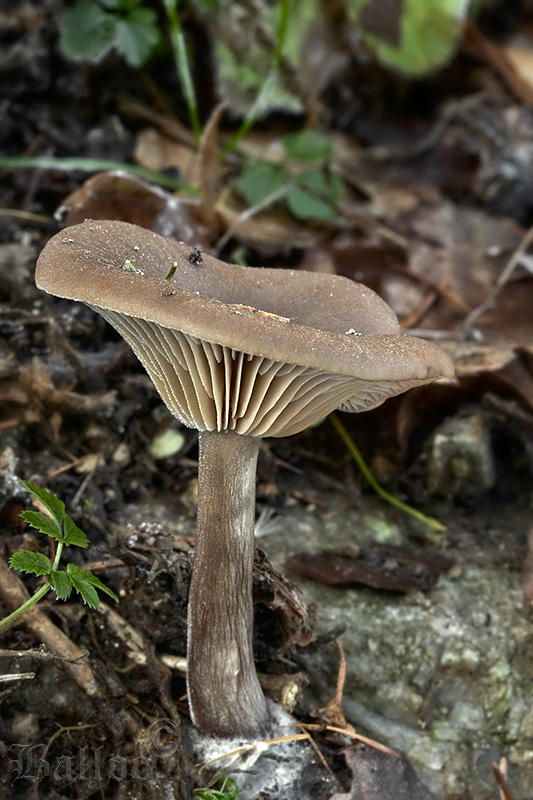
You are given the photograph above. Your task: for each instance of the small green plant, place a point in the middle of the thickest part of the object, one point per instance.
(309, 190)
(226, 789)
(427, 33)
(62, 528)
(92, 28)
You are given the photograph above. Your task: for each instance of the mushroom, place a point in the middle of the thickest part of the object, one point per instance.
(237, 353)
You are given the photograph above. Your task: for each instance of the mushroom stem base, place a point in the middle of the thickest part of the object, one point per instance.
(225, 697)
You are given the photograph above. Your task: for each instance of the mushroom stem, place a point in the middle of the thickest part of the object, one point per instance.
(225, 697)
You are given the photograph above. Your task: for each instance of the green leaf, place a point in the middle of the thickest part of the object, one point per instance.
(87, 32)
(329, 187)
(30, 562)
(43, 524)
(97, 583)
(429, 33)
(84, 582)
(72, 534)
(315, 194)
(210, 5)
(120, 5)
(316, 181)
(337, 187)
(307, 206)
(61, 584)
(226, 789)
(137, 36)
(82, 586)
(55, 506)
(259, 180)
(307, 145)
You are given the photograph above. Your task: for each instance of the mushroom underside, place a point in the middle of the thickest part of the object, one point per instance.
(214, 387)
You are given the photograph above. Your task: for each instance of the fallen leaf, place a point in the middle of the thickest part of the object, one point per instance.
(385, 567)
(377, 775)
(115, 195)
(157, 152)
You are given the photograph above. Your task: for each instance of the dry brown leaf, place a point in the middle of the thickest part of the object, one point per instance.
(381, 776)
(269, 232)
(157, 152)
(116, 195)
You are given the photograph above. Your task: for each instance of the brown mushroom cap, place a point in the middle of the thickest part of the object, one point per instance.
(264, 352)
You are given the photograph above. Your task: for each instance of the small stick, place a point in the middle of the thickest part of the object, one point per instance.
(500, 282)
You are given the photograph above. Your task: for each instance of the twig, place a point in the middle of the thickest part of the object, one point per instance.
(500, 773)
(42, 654)
(135, 642)
(26, 215)
(502, 279)
(13, 594)
(171, 128)
(14, 676)
(249, 213)
(357, 736)
(263, 744)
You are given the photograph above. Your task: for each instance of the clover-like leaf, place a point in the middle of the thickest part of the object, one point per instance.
(307, 145)
(88, 32)
(30, 562)
(259, 180)
(137, 36)
(308, 206)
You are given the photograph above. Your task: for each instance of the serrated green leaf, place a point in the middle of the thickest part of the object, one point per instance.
(55, 506)
(87, 32)
(259, 180)
(97, 583)
(43, 524)
(307, 145)
(85, 590)
(91, 578)
(30, 562)
(307, 206)
(61, 584)
(72, 534)
(86, 583)
(137, 36)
